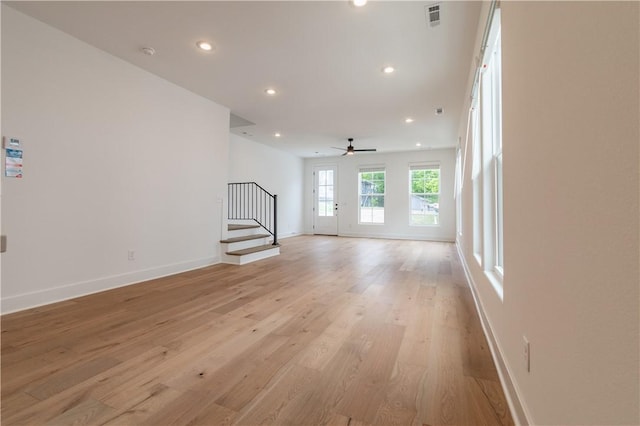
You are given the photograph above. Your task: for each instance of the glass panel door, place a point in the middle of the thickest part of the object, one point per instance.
(325, 201)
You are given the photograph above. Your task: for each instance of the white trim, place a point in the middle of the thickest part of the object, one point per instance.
(375, 194)
(418, 167)
(424, 166)
(463, 158)
(371, 169)
(58, 294)
(397, 237)
(494, 32)
(251, 257)
(496, 283)
(478, 259)
(518, 409)
(292, 234)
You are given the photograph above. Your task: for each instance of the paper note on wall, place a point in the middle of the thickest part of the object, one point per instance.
(13, 163)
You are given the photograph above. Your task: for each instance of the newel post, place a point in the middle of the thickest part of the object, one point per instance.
(275, 220)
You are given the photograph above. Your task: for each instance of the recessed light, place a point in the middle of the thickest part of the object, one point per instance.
(277, 135)
(359, 3)
(388, 69)
(418, 144)
(408, 120)
(150, 51)
(270, 91)
(204, 45)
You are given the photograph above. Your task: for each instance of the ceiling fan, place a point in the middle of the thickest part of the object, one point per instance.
(350, 150)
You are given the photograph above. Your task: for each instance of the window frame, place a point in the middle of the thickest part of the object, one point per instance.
(424, 167)
(496, 53)
(487, 172)
(458, 191)
(371, 169)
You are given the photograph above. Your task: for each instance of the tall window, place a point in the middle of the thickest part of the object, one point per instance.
(424, 197)
(497, 149)
(476, 178)
(371, 187)
(491, 104)
(487, 160)
(458, 191)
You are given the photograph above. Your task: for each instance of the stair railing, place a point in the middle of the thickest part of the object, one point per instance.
(250, 201)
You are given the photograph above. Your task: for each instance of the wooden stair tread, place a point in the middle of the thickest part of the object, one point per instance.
(244, 238)
(233, 227)
(252, 250)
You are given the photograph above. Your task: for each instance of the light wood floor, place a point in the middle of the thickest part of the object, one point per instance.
(333, 331)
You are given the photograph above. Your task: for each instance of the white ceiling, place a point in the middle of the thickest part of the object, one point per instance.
(324, 59)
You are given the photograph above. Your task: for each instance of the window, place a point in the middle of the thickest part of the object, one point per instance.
(476, 178)
(424, 195)
(491, 104)
(497, 149)
(325, 193)
(458, 190)
(486, 133)
(371, 187)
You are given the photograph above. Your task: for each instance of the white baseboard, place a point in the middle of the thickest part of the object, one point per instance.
(58, 294)
(516, 406)
(289, 235)
(397, 237)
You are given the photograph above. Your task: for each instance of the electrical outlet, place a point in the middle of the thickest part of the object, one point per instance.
(526, 354)
(131, 255)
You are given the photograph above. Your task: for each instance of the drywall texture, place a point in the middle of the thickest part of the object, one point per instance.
(396, 198)
(276, 171)
(115, 160)
(570, 147)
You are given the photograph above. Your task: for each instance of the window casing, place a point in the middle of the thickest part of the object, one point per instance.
(371, 193)
(497, 153)
(476, 180)
(424, 195)
(487, 177)
(458, 191)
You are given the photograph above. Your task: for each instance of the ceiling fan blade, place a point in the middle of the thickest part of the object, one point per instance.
(369, 149)
(346, 153)
(341, 149)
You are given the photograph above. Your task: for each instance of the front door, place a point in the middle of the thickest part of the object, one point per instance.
(325, 191)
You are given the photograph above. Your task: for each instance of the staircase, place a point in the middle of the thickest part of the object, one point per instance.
(251, 211)
(246, 244)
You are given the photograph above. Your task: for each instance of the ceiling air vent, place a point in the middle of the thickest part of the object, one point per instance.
(433, 15)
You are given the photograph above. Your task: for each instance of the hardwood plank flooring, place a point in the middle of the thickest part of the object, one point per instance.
(335, 331)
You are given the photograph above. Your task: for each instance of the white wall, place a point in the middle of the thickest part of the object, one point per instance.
(1, 166)
(396, 198)
(570, 148)
(116, 159)
(277, 172)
